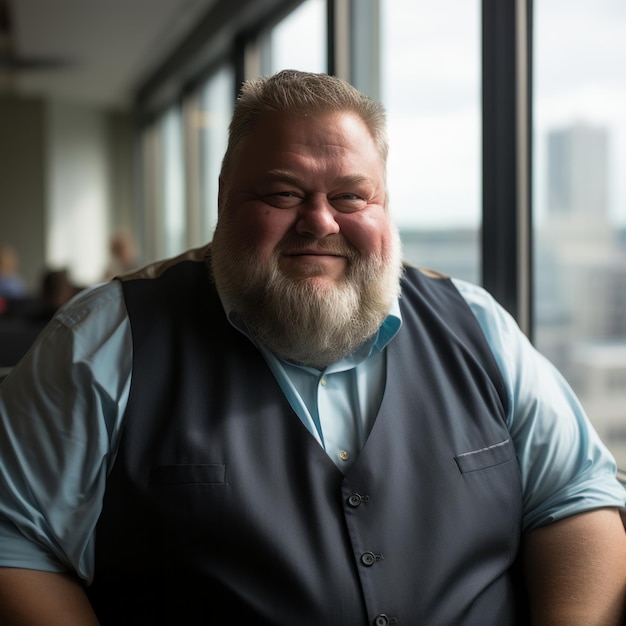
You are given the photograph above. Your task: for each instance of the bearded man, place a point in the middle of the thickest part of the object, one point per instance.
(291, 427)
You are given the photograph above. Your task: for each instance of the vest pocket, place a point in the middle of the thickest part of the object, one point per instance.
(188, 474)
(496, 454)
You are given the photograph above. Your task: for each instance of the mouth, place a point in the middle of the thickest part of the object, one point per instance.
(316, 251)
(313, 253)
(312, 263)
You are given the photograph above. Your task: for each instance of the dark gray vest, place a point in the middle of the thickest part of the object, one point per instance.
(221, 507)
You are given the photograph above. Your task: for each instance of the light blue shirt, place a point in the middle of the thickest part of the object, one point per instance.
(58, 443)
(339, 404)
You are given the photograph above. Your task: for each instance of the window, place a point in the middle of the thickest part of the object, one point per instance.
(174, 219)
(580, 202)
(217, 104)
(207, 115)
(430, 85)
(298, 41)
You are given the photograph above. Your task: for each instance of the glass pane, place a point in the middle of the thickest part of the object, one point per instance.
(216, 107)
(151, 191)
(430, 85)
(580, 203)
(173, 184)
(298, 41)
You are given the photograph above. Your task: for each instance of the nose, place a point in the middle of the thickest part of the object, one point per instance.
(316, 217)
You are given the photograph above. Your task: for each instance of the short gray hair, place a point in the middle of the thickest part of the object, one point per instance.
(293, 91)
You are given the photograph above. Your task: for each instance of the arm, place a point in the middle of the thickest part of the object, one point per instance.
(60, 420)
(575, 570)
(36, 598)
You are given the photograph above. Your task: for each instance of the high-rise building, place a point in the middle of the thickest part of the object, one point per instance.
(581, 279)
(577, 170)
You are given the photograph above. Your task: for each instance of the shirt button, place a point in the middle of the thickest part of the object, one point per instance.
(323, 381)
(344, 455)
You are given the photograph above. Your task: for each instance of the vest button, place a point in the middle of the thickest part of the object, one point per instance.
(381, 620)
(368, 559)
(354, 499)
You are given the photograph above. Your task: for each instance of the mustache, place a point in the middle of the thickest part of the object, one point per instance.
(337, 247)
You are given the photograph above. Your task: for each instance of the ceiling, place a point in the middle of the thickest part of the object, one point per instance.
(89, 51)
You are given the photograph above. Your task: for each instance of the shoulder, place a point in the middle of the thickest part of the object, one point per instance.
(499, 327)
(482, 303)
(100, 302)
(94, 320)
(196, 257)
(169, 283)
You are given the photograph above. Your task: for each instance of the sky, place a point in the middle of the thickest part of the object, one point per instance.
(431, 87)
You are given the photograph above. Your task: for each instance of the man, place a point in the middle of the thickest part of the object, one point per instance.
(290, 427)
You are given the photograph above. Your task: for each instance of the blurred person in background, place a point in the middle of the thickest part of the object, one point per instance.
(57, 289)
(124, 255)
(12, 285)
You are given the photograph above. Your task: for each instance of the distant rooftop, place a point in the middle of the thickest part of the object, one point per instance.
(605, 353)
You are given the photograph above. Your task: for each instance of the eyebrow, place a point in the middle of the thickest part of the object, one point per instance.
(289, 177)
(282, 175)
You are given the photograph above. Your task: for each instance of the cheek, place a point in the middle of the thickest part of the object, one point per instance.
(263, 229)
(369, 235)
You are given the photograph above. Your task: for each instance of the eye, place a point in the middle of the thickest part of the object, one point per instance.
(283, 199)
(348, 202)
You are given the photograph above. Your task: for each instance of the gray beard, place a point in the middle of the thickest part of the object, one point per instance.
(301, 321)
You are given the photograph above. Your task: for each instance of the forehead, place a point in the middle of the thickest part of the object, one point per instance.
(333, 136)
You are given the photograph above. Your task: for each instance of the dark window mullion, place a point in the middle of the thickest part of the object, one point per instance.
(506, 182)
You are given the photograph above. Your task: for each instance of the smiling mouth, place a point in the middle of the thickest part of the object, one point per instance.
(315, 259)
(316, 253)
(310, 263)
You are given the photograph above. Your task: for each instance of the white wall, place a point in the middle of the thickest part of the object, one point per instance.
(79, 195)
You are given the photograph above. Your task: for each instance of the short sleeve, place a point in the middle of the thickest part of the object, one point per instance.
(565, 467)
(60, 416)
